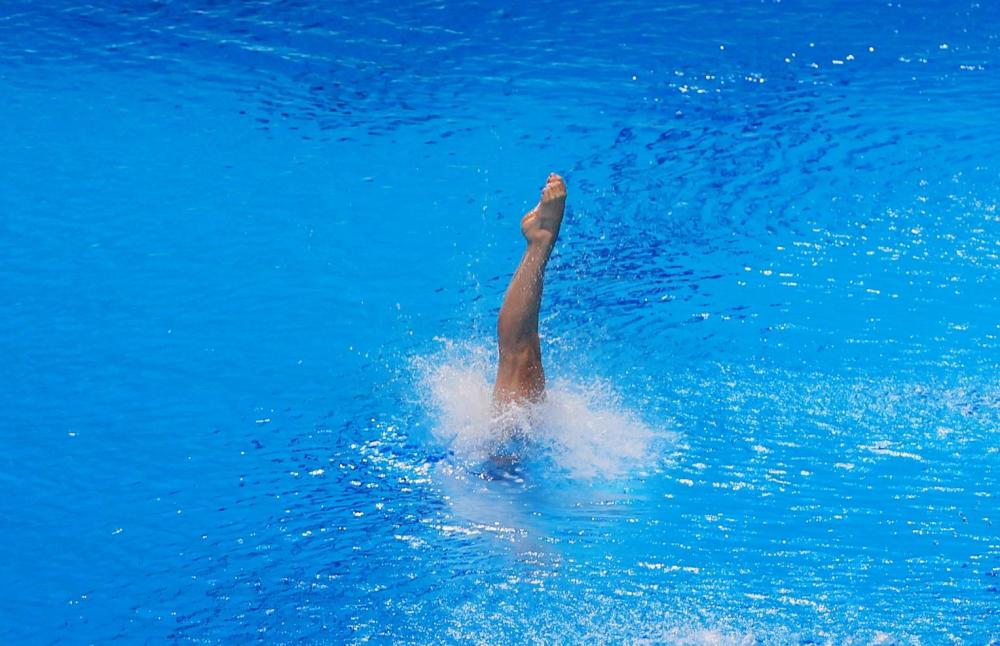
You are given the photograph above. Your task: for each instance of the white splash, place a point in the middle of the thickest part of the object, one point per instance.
(582, 428)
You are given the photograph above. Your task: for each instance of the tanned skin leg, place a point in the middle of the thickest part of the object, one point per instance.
(520, 378)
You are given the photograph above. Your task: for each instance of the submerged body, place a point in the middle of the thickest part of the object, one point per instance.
(520, 377)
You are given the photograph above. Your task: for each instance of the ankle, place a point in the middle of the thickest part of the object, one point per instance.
(543, 240)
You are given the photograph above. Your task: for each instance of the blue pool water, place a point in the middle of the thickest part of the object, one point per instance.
(251, 257)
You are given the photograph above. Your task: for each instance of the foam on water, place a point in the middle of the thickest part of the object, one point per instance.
(582, 428)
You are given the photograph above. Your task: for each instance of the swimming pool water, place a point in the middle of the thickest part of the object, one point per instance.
(251, 257)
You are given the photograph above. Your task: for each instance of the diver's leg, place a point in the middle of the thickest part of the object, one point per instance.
(519, 373)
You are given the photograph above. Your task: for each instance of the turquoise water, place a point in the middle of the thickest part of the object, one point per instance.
(251, 257)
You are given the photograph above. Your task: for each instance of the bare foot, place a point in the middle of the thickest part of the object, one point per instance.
(541, 224)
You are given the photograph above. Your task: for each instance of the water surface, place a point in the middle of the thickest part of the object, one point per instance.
(251, 256)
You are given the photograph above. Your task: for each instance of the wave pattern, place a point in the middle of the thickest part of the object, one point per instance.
(234, 233)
